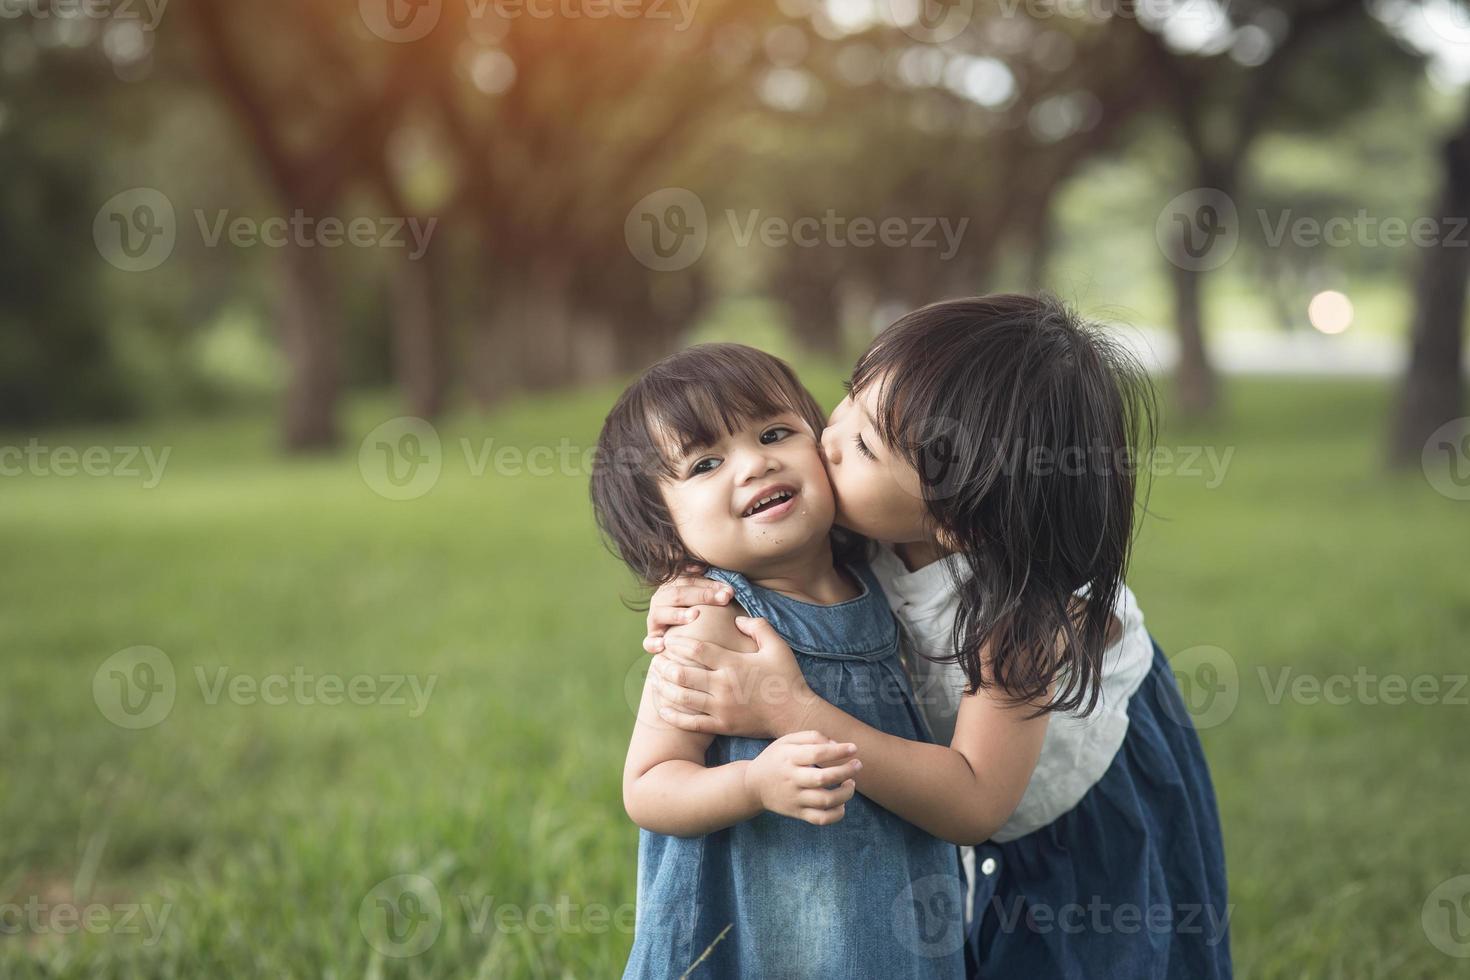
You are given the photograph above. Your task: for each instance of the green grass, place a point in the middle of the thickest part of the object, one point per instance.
(259, 830)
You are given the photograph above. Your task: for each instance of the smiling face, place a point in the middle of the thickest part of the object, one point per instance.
(752, 498)
(878, 494)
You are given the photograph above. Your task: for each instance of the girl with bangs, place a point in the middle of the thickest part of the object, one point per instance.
(989, 447)
(755, 856)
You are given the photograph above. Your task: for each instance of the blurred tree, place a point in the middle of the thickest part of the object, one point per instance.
(57, 362)
(557, 127)
(1221, 94)
(317, 118)
(975, 135)
(1433, 388)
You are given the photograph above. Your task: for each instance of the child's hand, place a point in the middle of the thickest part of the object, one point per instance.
(671, 604)
(805, 775)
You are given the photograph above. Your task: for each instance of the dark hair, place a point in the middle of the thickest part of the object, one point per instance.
(984, 397)
(689, 399)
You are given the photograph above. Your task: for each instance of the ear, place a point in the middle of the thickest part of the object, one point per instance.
(948, 541)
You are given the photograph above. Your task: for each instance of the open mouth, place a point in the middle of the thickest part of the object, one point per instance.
(770, 502)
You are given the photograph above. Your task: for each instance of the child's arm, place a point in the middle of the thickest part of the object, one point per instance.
(963, 792)
(668, 789)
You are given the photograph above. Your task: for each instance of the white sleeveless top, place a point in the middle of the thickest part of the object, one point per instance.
(1076, 751)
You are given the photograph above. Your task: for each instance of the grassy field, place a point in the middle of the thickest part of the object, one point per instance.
(257, 829)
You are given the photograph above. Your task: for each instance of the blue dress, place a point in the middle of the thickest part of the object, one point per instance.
(871, 897)
(1129, 884)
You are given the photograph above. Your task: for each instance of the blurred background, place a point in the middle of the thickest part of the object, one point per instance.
(310, 311)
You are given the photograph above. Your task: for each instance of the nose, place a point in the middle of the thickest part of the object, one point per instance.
(755, 462)
(829, 443)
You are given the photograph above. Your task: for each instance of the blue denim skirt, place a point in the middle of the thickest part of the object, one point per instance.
(1129, 884)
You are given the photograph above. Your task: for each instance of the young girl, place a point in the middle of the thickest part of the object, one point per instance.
(988, 445)
(755, 857)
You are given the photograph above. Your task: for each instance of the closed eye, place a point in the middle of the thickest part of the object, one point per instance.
(862, 447)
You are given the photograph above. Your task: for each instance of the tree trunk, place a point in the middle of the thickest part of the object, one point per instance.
(309, 334)
(1433, 387)
(1195, 384)
(418, 334)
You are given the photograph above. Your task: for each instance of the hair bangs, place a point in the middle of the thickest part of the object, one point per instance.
(732, 387)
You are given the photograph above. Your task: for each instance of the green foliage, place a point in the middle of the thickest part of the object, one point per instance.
(262, 828)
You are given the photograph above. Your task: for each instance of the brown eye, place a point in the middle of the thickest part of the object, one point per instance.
(775, 434)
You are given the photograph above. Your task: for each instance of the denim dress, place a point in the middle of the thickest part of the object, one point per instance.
(1129, 884)
(871, 897)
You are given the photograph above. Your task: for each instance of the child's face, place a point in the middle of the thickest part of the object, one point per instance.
(715, 490)
(878, 494)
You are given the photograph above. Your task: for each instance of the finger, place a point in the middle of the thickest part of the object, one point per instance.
(704, 591)
(826, 754)
(691, 677)
(653, 644)
(661, 618)
(826, 799)
(762, 632)
(821, 777)
(804, 738)
(702, 652)
(683, 699)
(823, 818)
(701, 724)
